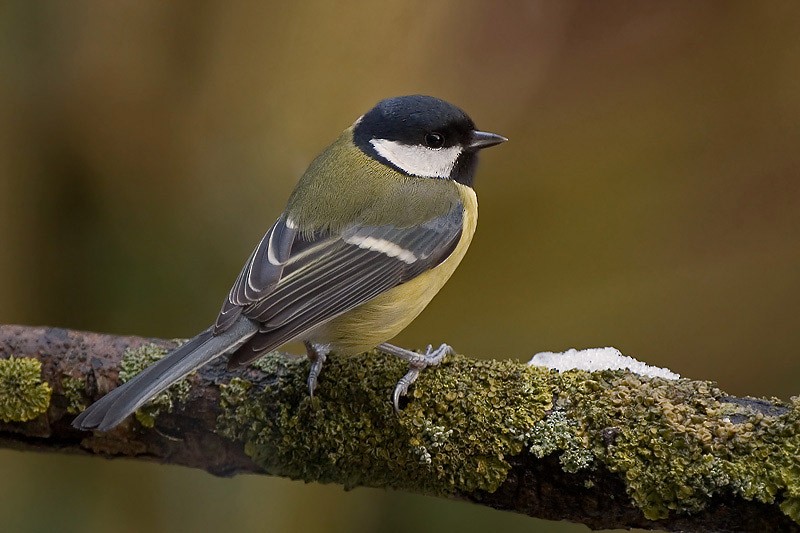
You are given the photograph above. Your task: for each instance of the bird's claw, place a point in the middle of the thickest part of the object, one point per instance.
(416, 364)
(318, 354)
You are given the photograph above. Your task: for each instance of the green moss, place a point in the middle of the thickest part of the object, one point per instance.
(559, 434)
(136, 360)
(23, 395)
(464, 421)
(791, 507)
(73, 390)
(674, 443)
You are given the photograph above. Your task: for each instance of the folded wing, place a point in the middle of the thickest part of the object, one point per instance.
(328, 274)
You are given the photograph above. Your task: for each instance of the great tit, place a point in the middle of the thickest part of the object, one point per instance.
(373, 230)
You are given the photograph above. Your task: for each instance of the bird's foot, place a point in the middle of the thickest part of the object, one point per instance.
(317, 354)
(417, 362)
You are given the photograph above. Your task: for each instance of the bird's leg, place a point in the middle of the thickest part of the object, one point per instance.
(416, 363)
(317, 354)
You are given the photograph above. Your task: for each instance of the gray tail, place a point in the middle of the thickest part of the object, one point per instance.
(115, 406)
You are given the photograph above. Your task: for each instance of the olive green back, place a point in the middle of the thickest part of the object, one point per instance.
(344, 185)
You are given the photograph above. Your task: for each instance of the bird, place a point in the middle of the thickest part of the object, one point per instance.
(373, 229)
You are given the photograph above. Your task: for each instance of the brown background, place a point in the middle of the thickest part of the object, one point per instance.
(648, 200)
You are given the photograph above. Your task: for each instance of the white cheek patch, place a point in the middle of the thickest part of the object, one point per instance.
(383, 246)
(418, 160)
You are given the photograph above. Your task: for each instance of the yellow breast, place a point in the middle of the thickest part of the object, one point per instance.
(388, 314)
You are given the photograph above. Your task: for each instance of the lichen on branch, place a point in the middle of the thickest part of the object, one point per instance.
(455, 433)
(608, 448)
(675, 444)
(23, 395)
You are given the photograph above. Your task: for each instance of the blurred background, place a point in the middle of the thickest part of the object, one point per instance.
(649, 199)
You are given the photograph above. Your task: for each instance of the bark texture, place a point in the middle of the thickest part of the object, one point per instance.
(606, 449)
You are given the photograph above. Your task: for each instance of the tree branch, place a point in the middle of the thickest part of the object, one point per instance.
(608, 449)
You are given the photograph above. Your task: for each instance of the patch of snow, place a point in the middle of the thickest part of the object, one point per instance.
(593, 359)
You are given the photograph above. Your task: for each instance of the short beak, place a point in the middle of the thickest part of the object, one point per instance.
(484, 139)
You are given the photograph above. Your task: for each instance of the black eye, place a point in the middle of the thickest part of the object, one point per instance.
(434, 140)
